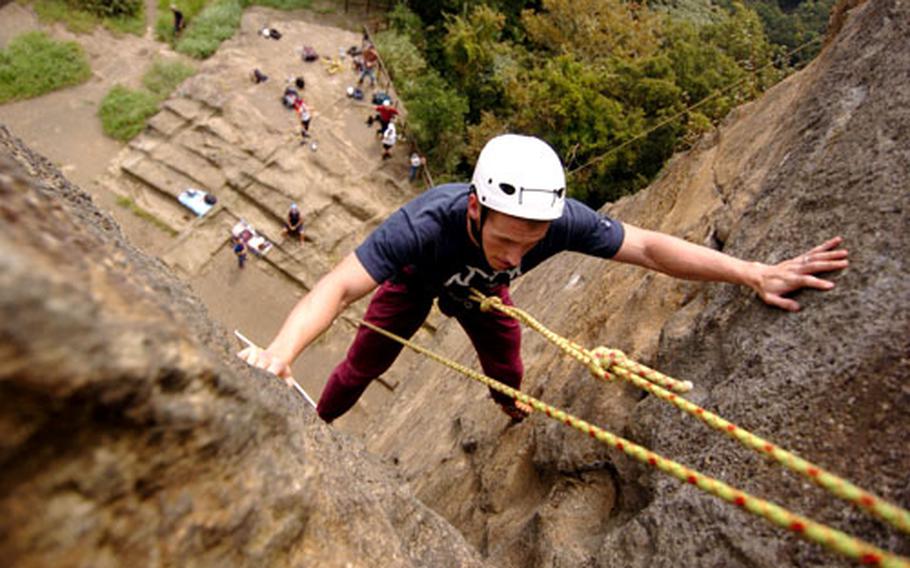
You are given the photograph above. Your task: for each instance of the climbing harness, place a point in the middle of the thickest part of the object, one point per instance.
(608, 364)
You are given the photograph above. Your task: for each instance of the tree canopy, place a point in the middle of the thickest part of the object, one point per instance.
(614, 86)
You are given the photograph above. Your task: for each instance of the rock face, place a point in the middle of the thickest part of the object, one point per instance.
(129, 434)
(823, 153)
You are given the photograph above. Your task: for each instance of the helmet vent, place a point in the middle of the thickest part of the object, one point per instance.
(507, 188)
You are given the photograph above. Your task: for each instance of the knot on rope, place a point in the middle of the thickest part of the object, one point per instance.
(605, 358)
(490, 303)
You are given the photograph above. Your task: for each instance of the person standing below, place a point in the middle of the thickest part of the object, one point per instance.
(511, 217)
(386, 113)
(240, 251)
(416, 162)
(389, 137)
(370, 62)
(303, 110)
(179, 21)
(293, 226)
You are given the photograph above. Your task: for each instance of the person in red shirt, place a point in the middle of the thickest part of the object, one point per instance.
(385, 113)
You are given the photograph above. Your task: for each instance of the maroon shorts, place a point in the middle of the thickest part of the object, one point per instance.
(496, 338)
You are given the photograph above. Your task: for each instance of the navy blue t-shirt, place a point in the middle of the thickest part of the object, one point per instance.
(428, 239)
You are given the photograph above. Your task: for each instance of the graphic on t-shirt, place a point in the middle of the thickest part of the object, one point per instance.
(462, 279)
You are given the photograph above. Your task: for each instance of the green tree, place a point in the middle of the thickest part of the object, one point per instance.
(436, 119)
(400, 56)
(480, 63)
(594, 30)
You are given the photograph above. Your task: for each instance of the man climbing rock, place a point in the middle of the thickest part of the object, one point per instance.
(511, 217)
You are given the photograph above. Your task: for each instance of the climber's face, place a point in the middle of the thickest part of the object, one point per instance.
(506, 239)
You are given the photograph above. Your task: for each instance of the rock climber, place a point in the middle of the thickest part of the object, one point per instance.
(511, 217)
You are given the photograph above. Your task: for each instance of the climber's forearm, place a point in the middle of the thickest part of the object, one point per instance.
(314, 313)
(681, 259)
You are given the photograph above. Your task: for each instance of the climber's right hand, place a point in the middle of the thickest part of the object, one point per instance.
(264, 359)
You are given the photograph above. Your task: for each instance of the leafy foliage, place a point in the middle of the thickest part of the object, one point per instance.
(436, 119)
(80, 19)
(216, 23)
(124, 112)
(593, 29)
(164, 76)
(792, 24)
(435, 110)
(611, 85)
(284, 4)
(34, 64)
(164, 25)
(109, 8)
(400, 55)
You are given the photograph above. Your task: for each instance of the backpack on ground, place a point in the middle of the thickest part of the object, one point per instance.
(380, 96)
(309, 53)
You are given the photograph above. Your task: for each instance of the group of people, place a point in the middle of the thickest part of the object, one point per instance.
(293, 227)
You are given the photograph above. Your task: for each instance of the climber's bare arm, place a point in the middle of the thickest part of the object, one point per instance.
(682, 259)
(313, 314)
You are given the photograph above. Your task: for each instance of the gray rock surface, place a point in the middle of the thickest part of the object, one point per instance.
(823, 153)
(131, 436)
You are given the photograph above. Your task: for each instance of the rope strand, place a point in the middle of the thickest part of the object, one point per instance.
(832, 539)
(605, 363)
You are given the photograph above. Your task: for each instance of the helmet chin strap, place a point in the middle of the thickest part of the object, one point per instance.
(476, 226)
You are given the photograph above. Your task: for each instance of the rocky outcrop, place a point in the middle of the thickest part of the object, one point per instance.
(821, 154)
(131, 436)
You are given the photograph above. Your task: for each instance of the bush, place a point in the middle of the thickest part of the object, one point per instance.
(284, 4)
(34, 64)
(164, 76)
(436, 115)
(79, 19)
(402, 58)
(123, 112)
(109, 8)
(213, 25)
(164, 25)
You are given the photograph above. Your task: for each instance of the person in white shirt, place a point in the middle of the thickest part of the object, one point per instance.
(389, 137)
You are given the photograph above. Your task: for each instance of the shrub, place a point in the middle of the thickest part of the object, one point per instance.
(403, 59)
(284, 4)
(436, 116)
(109, 8)
(123, 112)
(34, 64)
(164, 76)
(164, 25)
(216, 23)
(82, 20)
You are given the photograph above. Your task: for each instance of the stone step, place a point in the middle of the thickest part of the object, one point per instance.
(167, 123)
(190, 165)
(157, 176)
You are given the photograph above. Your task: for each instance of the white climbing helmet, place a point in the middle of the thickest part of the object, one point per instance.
(520, 176)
